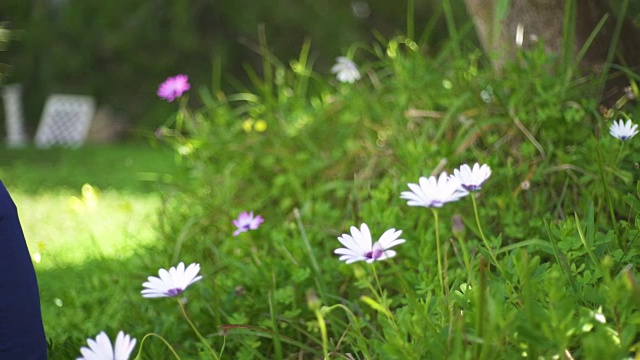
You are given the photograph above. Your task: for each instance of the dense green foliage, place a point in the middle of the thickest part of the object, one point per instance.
(559, 211)
(130, 167)
(547, 269)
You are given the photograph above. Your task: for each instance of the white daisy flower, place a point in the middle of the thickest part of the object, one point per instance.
(101, 349)
(623, 131)
(472, 179)
(171, 283)
(434, 193)
(345, 70)
(358, 245)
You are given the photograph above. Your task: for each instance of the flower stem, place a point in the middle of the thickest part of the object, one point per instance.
(375, 276)
(440, 275)
(619, 156)
(484, 238)
(195, 329)
(380, 297)
(614, 222)
(465, 257)
(323, 333)
(361, 339)
(161, 339)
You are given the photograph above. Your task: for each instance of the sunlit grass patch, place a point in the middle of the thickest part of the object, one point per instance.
(63, 228)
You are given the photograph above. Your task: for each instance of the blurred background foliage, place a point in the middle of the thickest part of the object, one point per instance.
(120, 50)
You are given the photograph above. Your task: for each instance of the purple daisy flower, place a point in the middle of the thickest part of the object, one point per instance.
(246, 221)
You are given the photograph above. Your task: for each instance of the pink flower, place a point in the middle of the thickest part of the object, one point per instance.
(173, 87)
(246, 221)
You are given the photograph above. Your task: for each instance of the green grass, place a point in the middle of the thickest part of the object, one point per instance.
(88, 242)
(550, 249)
(129, 167)
(560, 225)
(63, 230)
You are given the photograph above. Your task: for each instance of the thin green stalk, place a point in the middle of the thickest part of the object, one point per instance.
(375, 276)
(195, 329)
(180, 115)
(560, 258)
(484, 238)
(440, 273)
(615, 38)
(267, 68)
(379, 296)
(619, 156)
(451, 26)
(323, 333)
(277, 344)
(161, 339)
(312, 257)
(480, 321)
(411, 8)
(608, 197)
(443, 292)
(465, 258)
(595, 261)
(568, 35)
(354, 320)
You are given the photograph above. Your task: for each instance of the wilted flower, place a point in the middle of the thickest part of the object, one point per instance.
(246, 222)
(159, 133)
(472, 179)
(457, 226)
(171, 283)
(101, 349)
(345, 70)
(623, 131)
(358, 245)
(174, 87)
(434, 193)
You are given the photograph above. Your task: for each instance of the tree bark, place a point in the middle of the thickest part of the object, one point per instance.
(525, 22)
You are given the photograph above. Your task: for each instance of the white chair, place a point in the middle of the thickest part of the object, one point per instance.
(65, 121)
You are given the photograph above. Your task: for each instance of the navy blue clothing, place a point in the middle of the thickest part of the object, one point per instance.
(21, 332)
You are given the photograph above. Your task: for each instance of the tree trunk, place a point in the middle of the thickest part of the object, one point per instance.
(525, 22)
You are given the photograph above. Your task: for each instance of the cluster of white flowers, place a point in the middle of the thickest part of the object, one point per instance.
(170, 283)
(429, 192)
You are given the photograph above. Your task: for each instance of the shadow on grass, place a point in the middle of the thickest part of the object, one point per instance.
(127, 167)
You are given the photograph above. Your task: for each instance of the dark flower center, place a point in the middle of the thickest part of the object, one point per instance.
(174, 292)
(471, 187)
(375, 254)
